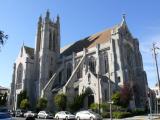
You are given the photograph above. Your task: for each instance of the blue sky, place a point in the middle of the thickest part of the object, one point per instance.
(79, 18)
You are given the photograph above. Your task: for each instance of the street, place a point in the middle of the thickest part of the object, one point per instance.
(20, 118)
(145, 117)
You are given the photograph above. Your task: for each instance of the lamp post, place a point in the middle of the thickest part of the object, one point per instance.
(110, 101)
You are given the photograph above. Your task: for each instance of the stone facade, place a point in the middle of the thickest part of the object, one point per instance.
(91, 64)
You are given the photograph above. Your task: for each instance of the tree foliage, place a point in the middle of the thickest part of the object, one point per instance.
(42, 104)
(116, 98)
(60, 101)
(3, 37)
(21, 96)
(77, 103)
(24, 104)
(3, 99)
(123, 97)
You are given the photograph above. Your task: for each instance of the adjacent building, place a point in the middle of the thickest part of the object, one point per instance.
(99, 63)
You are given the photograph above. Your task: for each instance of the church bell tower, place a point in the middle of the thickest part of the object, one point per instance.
(47, 49)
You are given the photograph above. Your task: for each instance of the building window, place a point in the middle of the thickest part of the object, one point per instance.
(50, 74)
(54, 41)
(19, 76)
(106, 65)
(89, 79)
(51, 61)
(50, 40)
(92, 64)
(119, 79)
(79, 73)
(69, 70)
(105, 94)
(60, 78)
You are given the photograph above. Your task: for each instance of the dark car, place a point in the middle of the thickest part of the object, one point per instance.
(12, 113)
(20, 113)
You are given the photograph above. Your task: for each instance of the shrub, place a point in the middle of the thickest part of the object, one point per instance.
(42, 104)
(105, 115)
(138, 112)
(24, 104)
(77, 103)
(94, 107)
(60, 101)
(121, 114)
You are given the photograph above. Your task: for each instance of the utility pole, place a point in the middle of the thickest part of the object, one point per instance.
(157, 70)
(155, 58)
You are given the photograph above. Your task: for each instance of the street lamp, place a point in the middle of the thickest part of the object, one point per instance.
(110, 101)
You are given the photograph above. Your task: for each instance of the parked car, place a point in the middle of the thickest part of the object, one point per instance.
(30, 114)
(44, 114)
(87, 114)
(12, 113)
(64, 115)
(20, 113)
(5, 116)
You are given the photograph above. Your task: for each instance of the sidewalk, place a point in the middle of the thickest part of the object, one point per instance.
(137, 118)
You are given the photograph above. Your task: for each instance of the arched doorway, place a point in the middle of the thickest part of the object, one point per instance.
(89, 97)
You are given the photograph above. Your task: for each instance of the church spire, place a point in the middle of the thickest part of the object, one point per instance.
(47, 15)
(123, 19)
(58, 19)
(40, 19)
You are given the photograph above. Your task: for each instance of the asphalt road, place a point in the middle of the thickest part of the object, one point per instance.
(20, 118)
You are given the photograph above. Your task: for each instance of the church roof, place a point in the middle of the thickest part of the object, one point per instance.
(88, 42)
(3, 88)
(29, 51)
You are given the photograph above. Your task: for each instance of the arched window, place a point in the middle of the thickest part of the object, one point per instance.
(92, 64)
(50, 74)
(106, 65)
(69, 70)
(60, 78)
(79, 73)
(54, 41)
(50, 40)
(19, 76)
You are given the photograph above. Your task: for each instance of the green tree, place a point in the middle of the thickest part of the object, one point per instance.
(60, 101)
(3, 37)
(21, 96)
(94, 106)
(24, 104)
(77, 102)
(123, 97)
(3, 99)
(116, 98)
(42, 104)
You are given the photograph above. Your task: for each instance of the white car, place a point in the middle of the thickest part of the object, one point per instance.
(87, 114)
(44, 114)
(30, 114)
(5, 116)
(64, 115)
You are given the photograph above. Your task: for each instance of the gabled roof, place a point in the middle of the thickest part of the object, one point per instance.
(88, 42)
(29, 51)
(3, 88)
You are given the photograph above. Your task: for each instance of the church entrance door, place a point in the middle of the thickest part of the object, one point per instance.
(90, 99)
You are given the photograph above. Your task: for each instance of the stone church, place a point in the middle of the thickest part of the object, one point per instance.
(99, 64)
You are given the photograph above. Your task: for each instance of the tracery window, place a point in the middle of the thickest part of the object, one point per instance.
(92, 64)
(50, 40)
(106, 65)
(69, 70)
(19, 76)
